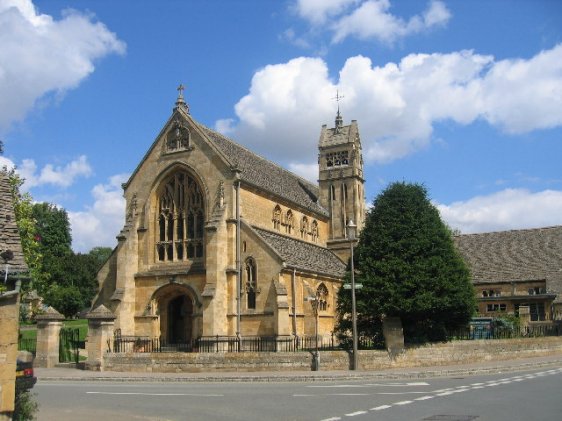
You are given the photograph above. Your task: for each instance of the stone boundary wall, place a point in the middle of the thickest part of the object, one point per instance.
(461, 352)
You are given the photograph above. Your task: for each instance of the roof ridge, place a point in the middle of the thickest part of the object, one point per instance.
(511, 231)
(258, 156)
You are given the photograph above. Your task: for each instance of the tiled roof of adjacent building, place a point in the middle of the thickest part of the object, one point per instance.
(268, 176)
(519, 255)
(302, 255)
(9, 234)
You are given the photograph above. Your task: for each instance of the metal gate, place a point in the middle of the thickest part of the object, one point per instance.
(69, 345)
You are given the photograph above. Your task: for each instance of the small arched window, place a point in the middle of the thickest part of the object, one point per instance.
(304, 228)
(251, 283)
(290, 223)
(322, 297)
(277, 217)
(314, 231)
(333, 192)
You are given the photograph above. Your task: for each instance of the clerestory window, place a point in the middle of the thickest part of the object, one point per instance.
(180, 219)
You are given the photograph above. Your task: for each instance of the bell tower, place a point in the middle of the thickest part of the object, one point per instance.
(340, 165)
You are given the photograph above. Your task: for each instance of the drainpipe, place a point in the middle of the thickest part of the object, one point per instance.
(238, 274)
(294, 298)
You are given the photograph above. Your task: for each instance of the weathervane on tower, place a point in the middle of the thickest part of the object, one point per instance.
(339, 119)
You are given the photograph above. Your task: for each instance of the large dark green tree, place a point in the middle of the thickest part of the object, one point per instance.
(409, 268)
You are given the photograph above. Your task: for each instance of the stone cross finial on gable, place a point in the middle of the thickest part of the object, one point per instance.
(180, 102)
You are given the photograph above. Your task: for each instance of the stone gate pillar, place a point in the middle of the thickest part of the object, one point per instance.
(101, 324)
(49, 325)
(524, 318)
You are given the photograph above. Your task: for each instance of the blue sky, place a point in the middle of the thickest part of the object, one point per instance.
(462, 96)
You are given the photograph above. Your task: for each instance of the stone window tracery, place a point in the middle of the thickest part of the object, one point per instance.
(277, 217)
(251, 283)
(322, 297)
(180, 219)
(178, 138)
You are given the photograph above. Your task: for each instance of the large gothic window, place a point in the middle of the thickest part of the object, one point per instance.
(180, 219)
(251, 284)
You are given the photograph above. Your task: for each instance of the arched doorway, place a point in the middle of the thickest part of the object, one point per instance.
(180, 320)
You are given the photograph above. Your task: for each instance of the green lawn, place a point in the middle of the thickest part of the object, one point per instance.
(81, 324)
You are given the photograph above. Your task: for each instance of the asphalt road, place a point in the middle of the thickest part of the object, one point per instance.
(534, 395)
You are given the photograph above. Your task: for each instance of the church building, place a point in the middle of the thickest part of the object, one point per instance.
(220, 241)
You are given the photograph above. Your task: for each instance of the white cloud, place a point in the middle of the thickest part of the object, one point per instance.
(41, 55)
(61, 176)
(397, 104)
(370, 19)
(100, 223)
(504, 210)
(318, 11)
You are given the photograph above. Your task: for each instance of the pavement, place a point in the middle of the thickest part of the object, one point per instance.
(70, 373)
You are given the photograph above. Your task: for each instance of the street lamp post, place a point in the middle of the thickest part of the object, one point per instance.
(314, 301)
(351, 228)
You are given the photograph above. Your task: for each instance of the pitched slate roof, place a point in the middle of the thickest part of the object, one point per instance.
(9, 234)
(303, 255)
(519, 255)
(266, 175)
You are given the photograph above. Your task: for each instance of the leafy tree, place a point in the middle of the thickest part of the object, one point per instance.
(409, 268)
(67, 300)
(100, 255)
(80, 271)
(53, 236)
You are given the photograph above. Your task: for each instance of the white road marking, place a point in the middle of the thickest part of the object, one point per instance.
(203, 395)
(424, 398)
(331, 386)
(353, 414)
(399, 393)
(403, 402)
(440, 392)
(379, 408)
(348, 394)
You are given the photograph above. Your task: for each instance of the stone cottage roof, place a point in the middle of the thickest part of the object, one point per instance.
(9, 234)
(519, 255)
(303, 255)
(267, 176)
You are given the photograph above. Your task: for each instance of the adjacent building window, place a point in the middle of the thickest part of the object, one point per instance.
(180, 219)
(496, 307)
(251, 283)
